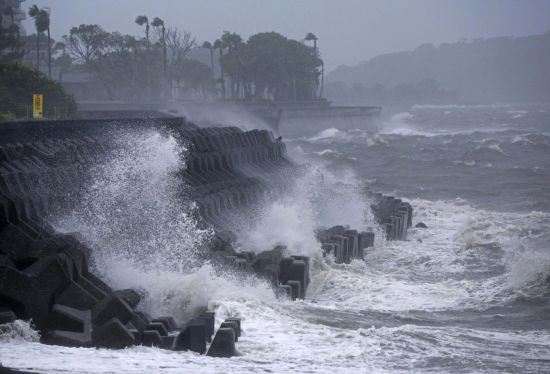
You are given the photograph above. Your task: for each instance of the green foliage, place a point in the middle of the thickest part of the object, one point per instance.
(10, 45)
(269, 65)
(310, 36)
(142, 20)
(64, 60)
(85, 42)
(157, 22)
(41, 18)
(7, 117)
(123, 63)
(17, 85)
(195, 75)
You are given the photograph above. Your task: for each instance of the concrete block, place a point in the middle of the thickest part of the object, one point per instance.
(238, 322)
(112, 307)
(192, 338)
(83, 318)
(296, 289)
(223, 344)
(151, 338)
(232, 325)
(168, 322)
(113, 334)
(157, 326)
(131, 297)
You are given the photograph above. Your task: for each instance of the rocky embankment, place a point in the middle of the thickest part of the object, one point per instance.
(46, 276)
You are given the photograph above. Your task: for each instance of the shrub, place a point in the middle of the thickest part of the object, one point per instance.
(17, 85)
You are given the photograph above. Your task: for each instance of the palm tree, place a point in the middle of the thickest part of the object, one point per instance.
(232, 41)
(209, 46)
(157, 22)
(218, 44)
(46, 17)
(311, 36)
(42, 23)
(143, 20)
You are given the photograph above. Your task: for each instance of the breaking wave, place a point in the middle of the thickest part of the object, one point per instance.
(468, 294)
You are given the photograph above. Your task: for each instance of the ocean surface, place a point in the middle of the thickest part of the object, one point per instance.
(469, 294)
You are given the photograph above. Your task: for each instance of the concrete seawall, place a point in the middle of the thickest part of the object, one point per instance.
(45, 275)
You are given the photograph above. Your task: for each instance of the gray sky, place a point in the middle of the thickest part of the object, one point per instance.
(349, 31)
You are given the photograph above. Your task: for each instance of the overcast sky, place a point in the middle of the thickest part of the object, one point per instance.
(349, 31)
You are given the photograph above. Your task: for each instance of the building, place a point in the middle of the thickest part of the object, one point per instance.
(84, 86)
(17, 16)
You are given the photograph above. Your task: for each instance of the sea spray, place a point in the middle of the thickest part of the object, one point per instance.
(315, 199)
(18, 331)
(137, 219)
(184, 295)
(421, 305)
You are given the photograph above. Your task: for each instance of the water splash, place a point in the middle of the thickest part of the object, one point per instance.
(137, 219)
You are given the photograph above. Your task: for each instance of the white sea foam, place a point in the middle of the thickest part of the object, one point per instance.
(363, 316)
(141, 230)
(325, 134)
(317, 198)
(522, 139)
(325, 152)
(18, 331)
(333, 333)
(403, 124)
(458, 106)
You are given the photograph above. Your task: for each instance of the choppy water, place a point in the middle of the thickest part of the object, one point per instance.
(469, 294)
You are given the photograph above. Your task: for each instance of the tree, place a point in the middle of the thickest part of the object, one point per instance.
(158, 24)
(42, 23)
(233, 64)
(46, 17)
(179, 43)
(208, 45)
(196, 77)
(121, 68)
(280, 68)
(143, 20)
(219, 45)
(18, 83)
(64, 60)
(10, 44)
(311, 36)
(86, 42)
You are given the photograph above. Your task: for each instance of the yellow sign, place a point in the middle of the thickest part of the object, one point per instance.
(37, 106)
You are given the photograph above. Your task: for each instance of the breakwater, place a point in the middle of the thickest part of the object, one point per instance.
(45, 275)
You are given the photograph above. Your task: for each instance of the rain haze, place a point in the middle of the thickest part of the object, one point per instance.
(283, 186)
(349, 31)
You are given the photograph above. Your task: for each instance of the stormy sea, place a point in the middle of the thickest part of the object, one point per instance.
(469, 293)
